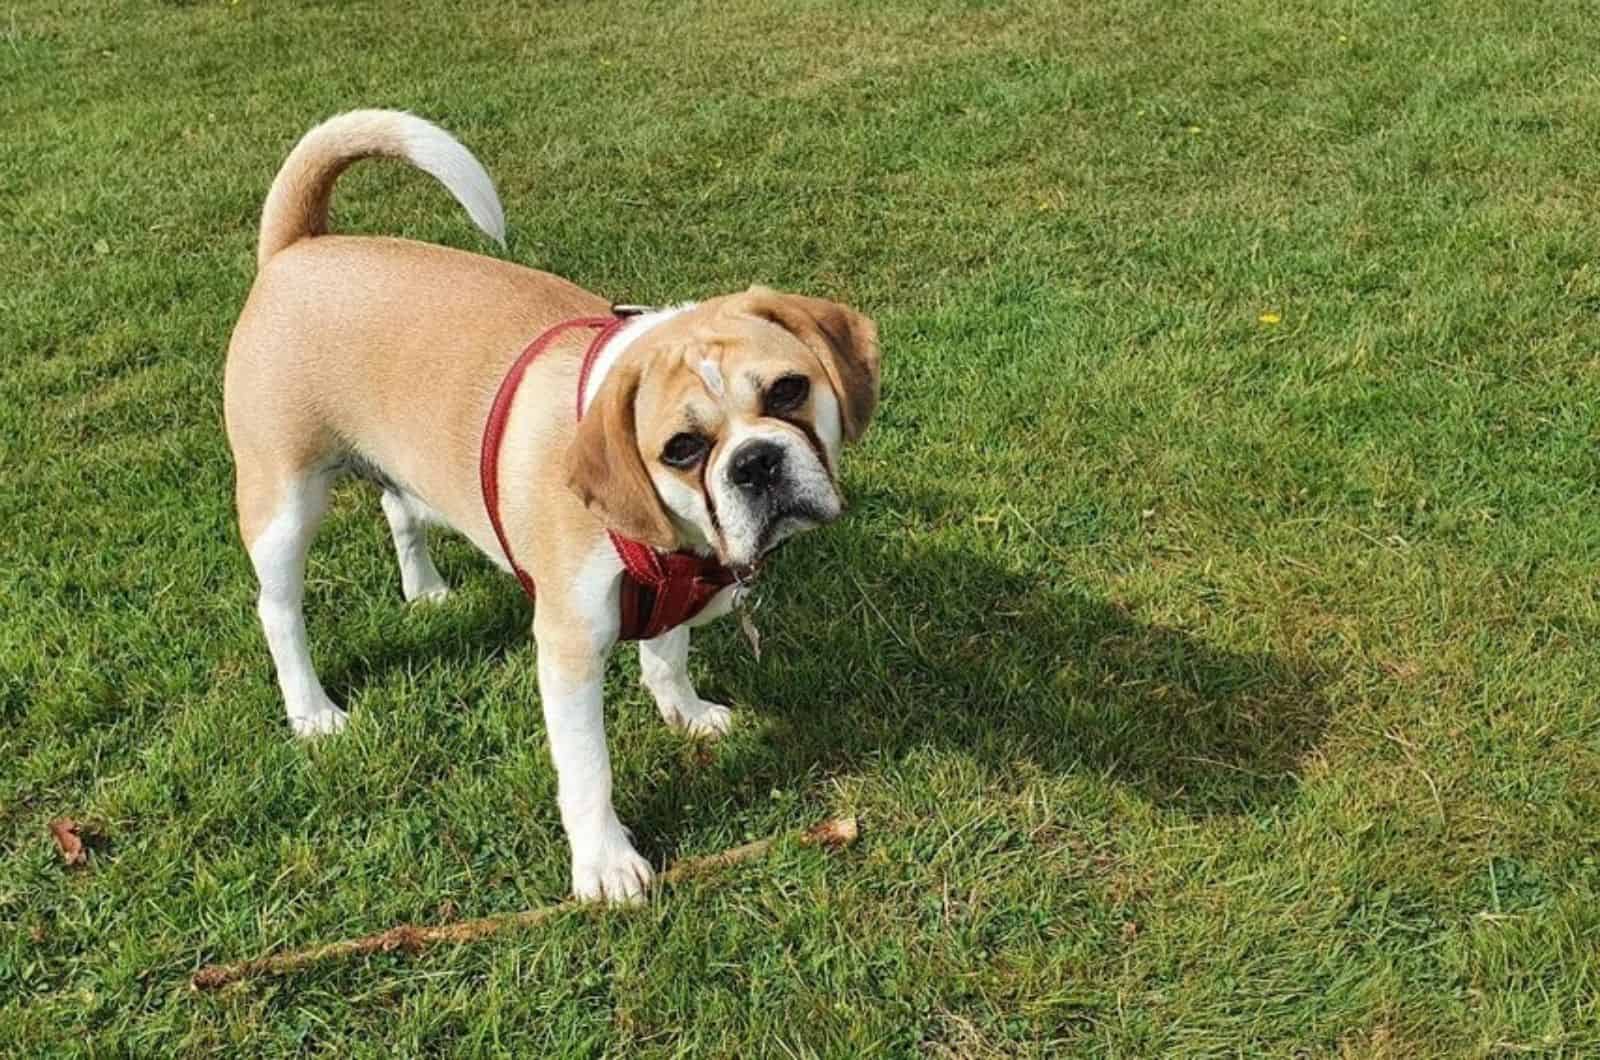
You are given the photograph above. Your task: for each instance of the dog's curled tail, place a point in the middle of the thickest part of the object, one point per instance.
(297, 205)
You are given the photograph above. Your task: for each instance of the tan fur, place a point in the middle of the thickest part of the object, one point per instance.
(297, 203)
(845, 341)
(383, 356)
(392, 350)
(606, 469)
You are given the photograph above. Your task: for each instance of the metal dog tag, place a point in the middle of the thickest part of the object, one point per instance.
(742, 608)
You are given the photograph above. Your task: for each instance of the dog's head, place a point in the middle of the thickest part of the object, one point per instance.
(722, 426)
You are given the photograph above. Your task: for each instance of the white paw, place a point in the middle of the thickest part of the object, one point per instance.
(705, 719)
(712, 721)
(615, 874)
(432, 594)
(325, 719)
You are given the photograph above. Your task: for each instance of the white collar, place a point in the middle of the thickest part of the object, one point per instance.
(613, 350)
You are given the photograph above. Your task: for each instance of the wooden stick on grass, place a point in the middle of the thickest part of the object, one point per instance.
(831, 834)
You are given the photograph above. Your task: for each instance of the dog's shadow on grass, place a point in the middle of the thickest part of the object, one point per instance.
(877, 647)
(887, 648)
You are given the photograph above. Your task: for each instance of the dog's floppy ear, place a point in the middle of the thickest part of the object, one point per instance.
(606, 470)
(845, 341)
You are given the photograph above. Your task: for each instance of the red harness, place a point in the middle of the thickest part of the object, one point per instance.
(660, 590)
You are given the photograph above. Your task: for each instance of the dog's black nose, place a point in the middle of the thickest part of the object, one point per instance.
(757, 466)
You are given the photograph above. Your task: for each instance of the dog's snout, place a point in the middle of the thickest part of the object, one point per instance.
(757, 466)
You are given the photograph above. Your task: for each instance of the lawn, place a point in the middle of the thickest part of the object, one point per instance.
(1210, 651)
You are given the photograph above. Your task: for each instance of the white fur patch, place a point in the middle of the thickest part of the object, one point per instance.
(664, 667)
(689, 505)
(607, 358)
(279, 556)
(830, 430)
(741, 527)
(604, 863)
(711, 375)
(442, 156)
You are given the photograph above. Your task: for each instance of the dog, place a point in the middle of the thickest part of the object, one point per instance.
(632, 468)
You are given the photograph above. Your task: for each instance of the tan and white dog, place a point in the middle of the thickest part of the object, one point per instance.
(714, 427)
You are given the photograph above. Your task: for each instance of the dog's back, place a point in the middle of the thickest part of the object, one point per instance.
(373, 338)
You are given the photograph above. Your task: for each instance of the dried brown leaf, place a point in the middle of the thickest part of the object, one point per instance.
(64, 830)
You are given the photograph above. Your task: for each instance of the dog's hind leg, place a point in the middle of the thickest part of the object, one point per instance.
(419, 578)
(278, 517)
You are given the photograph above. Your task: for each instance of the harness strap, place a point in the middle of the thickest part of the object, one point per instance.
(494, 429)
(660, 590)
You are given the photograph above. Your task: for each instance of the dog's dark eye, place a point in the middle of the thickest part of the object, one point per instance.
(787, 394)
(684, 450)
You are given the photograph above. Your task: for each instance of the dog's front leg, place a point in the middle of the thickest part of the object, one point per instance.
(664, 665)
(571, 672)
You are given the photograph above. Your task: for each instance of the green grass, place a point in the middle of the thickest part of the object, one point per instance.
(1206, 686)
